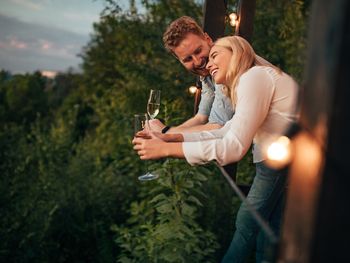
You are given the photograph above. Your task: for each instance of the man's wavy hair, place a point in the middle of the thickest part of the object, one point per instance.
(177, 31)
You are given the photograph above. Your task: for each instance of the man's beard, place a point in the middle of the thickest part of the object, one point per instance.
(202, 71)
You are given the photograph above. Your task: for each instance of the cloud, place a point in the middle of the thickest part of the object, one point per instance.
(28, 4)
(11, 42)
(45, 44)
(29, 47)
(85, 17)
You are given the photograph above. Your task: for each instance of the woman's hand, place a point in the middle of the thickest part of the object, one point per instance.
(149, 147)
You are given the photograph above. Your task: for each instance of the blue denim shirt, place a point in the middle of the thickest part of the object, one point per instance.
(214, 103)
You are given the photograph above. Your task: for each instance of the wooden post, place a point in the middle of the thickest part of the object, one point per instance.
(214, 14)
(214, 23)
(246, 13)
(214, 18)
(316, 227)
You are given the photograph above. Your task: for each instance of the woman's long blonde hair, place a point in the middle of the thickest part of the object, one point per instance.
(243, 58)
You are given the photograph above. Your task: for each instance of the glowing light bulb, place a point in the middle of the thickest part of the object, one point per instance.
(233, 19)
(192, 89)
(279, 152)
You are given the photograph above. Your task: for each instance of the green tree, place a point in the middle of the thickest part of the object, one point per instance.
(280, 33)
(24, 97)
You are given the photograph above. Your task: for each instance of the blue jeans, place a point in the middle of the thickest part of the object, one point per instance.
(266, 196)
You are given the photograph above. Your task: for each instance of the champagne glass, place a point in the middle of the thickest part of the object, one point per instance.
(140, 123)
(153, 103)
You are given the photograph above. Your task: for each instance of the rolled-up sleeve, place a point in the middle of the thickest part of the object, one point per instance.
(221, 110)
(207, 98)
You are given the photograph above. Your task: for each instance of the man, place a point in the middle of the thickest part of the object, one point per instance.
(185, 39)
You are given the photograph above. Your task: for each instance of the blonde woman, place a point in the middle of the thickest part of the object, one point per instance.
(264, 99)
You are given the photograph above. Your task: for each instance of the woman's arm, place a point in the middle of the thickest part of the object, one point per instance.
(254, 94)
(155, 148)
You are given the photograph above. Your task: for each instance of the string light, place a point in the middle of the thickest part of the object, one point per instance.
(192, 89)
(279, 152)
(233, 19)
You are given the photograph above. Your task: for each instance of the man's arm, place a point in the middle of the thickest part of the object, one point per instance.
(200, 121)
(197, 119)
(197, 123)
(193, 126)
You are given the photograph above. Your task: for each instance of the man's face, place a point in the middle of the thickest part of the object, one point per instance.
(193, 53)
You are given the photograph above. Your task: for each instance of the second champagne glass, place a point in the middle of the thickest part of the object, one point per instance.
(140, 123)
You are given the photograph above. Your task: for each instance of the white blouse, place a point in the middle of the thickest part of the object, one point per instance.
(265, 107)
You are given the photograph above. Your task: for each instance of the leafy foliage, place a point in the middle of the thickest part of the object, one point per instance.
(280, 33)
(62, 199)
(162, 226)
(23, 97)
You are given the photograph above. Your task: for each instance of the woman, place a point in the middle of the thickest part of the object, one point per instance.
(264, 99)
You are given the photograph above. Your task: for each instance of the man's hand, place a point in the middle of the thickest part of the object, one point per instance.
(156, 125)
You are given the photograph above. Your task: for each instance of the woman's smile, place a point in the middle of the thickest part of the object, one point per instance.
(218, 63)
(213, 72)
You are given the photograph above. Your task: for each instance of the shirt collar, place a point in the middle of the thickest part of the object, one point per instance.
(206, 78)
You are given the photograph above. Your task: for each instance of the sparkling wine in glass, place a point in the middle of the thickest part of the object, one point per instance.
(140, 123)
(153, 103)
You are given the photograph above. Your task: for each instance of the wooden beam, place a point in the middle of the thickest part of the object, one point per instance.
(246, 13)
(316, 227)
(332, 224)
(214, 15)
(214, 18)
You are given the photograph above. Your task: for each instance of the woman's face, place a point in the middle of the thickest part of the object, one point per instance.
(219, 59)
